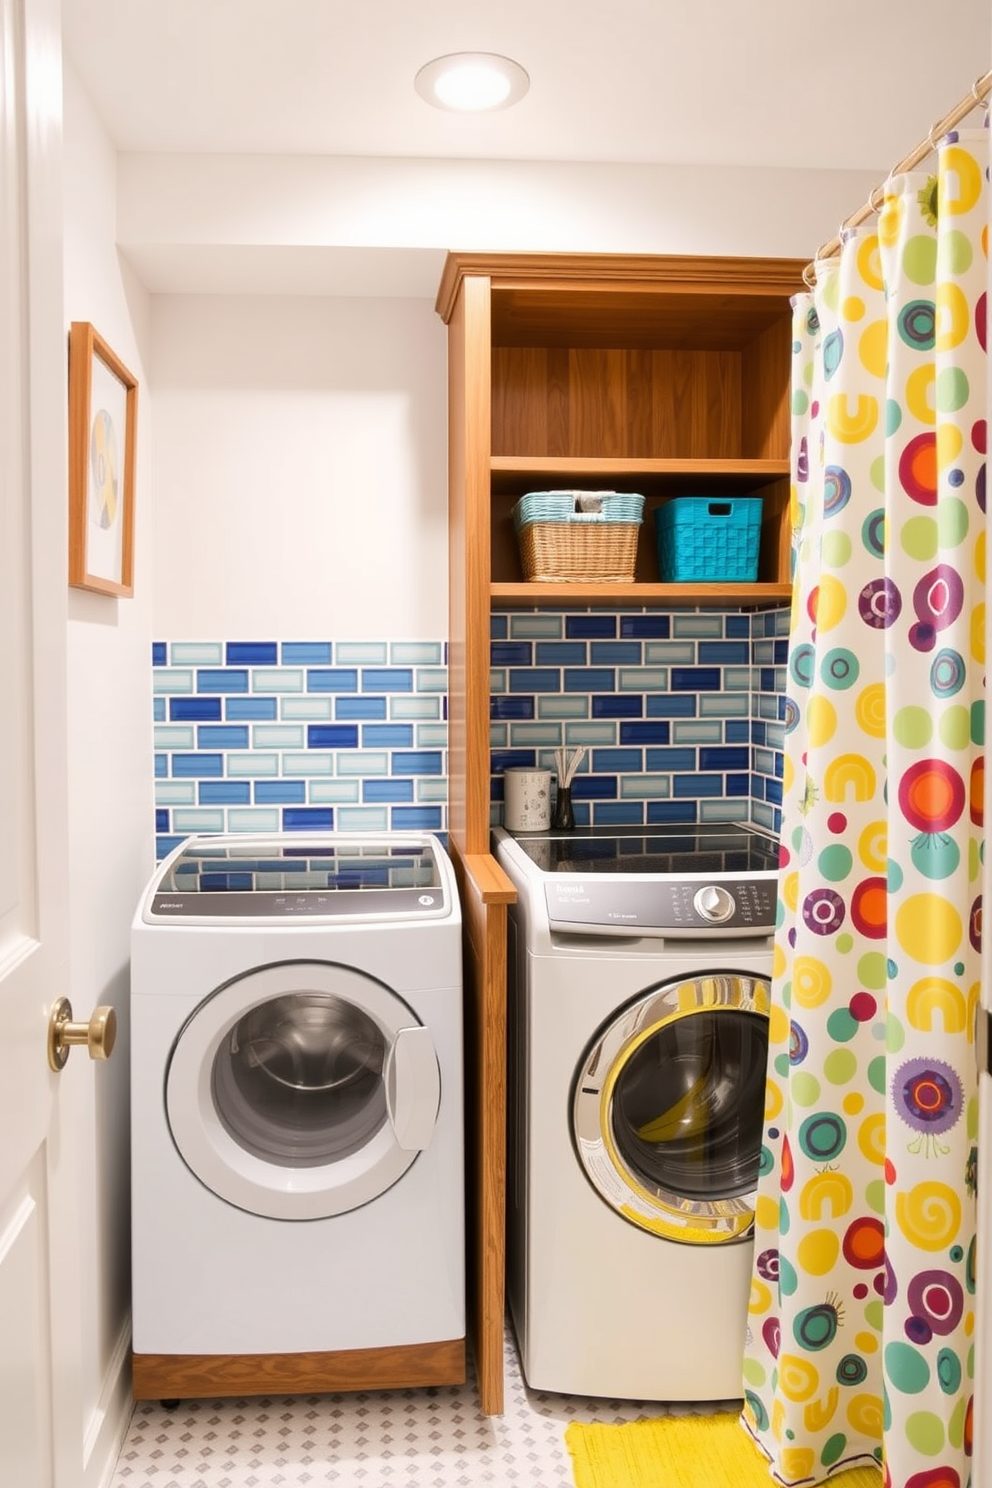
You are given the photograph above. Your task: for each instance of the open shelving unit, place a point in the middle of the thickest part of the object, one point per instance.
(665, 376)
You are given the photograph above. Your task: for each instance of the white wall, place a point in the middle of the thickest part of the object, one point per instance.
(110, 780)
(300, 468)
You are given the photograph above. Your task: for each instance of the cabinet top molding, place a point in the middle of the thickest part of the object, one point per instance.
(643, 272)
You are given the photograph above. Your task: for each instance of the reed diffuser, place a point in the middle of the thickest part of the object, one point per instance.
(567, 761)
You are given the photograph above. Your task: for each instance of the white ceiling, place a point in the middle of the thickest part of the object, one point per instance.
(847, 84)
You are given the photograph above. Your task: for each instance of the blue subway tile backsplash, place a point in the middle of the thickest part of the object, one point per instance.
(682, 717)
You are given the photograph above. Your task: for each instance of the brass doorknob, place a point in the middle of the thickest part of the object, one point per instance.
(99, 1034)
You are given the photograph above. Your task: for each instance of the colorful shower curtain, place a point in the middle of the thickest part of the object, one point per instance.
(862, 1315)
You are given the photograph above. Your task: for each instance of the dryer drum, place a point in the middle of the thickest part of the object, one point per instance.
(668, 1107)
(299, 1079)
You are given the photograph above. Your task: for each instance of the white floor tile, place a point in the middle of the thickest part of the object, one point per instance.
(430, 1438)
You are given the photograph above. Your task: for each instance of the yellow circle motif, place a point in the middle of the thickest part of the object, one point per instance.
(869, 710)
(950, 442)
(919, 393)
(890, 221)
(817, 1252)
(853, 1104)
(869, 261)
(978, 632)
(853, 308)
(864, 1412)
(798, 1379)
(960, 167)
(929, 1215)
(928, 928)
(871, 1138)
(811, 981)
(953, 319)
(873, 348)
(761, 1296)
(778, 1025)
(821, 718)
(766, 1214)
(831, 604)
(873, 846)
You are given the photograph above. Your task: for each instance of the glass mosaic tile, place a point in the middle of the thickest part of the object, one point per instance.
(251, 653)
(332, 679)
(306, 653)
(363, 653)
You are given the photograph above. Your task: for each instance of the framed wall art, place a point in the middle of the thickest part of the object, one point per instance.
(103, 417)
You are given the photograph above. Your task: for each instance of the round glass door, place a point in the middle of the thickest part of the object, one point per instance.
(668, 1107)
(302, 1090)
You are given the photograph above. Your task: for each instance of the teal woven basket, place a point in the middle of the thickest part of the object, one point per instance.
(576, 536)
(708, 539)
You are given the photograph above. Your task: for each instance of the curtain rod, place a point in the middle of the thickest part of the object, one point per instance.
(979, 93)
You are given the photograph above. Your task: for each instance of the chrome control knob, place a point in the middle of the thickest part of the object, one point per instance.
(714, 904)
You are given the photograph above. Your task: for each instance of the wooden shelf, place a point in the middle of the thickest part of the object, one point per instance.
(635, 596)
(507, 469)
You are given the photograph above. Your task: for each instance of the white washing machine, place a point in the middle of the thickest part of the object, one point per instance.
(639, 961)
(297, 1144)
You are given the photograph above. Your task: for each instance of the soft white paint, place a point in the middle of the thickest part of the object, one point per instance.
(110, 817)
(715, 81)
(300, 468)
(309, 224)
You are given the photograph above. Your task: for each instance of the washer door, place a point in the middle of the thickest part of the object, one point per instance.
(302, 1090)
(668, 1107)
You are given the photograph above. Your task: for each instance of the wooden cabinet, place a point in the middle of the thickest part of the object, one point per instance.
(664, 376)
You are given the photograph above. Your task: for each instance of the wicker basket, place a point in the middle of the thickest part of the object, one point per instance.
(575, 536)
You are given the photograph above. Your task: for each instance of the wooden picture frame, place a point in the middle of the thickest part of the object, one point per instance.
(103, 419)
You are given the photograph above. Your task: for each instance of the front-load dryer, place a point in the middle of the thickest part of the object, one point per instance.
(297, 1143)
(638, 966)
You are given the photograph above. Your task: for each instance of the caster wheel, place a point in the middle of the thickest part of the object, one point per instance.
(169, 1405)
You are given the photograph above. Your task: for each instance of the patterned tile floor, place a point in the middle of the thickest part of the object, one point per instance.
(431, 1438)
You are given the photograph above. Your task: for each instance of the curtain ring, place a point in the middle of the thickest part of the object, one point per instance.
(873, 205)
(979, 98)
(809, 275)
(934, 144)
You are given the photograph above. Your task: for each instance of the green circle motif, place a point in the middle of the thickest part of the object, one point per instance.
(948, 1371)
(787, 1278)
(876, 1072)
(844, 943)
(951, 390)
(954, 727)
(800, 401)
(925, 1433)
(805, 1089)
(906, 1368)
(835, 862)
(919, 259)
(978, 722)
(876, 471)
(836, 549)
(875, 1195)
(893, 418)
(833, 1449)
(957, 250)
(840, 1067)
(952, 522)
(842, 1025)
(895, 1033)
(912, 727)
(872, 972)
(919, 538)
(782, 1065)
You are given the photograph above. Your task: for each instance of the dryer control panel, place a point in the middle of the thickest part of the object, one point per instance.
(668, 907)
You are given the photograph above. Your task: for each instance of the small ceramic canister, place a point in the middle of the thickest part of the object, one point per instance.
(526, 799)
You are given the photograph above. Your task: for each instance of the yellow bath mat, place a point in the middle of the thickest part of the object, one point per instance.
(680, 1452)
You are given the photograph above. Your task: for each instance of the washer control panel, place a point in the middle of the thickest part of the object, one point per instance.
(668, 907)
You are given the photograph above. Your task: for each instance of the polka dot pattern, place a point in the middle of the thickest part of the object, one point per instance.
(862, 1312)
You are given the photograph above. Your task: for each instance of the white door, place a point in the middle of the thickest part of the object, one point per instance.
(40, 1442)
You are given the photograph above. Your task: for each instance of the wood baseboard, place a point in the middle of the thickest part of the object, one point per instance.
(196, 1376)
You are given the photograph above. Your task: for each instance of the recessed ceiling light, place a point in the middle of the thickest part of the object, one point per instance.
(472, 82)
